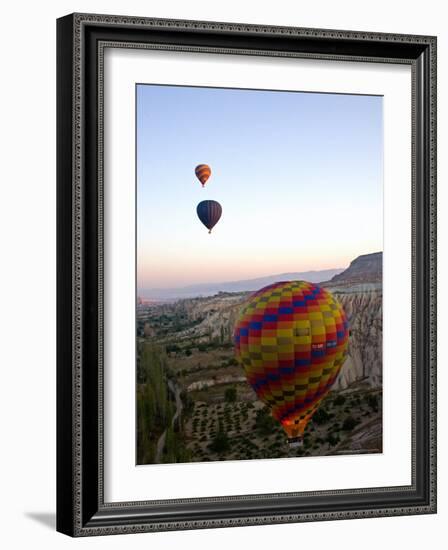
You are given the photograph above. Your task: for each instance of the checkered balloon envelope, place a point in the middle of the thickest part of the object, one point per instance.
(291, 339)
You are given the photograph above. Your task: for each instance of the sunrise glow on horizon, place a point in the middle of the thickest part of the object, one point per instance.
(299, 177)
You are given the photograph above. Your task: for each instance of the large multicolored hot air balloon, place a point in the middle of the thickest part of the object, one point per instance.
(209, 213)
(291, 339)
(203, 172)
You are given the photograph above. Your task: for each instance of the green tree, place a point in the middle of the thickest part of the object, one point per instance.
(321, 416)
(332, 439)
(220, 443)
(372, 402)
(230, 395)
(155, 407)
(172, 347)
(264, 423)
(339, 400)
(349, 423)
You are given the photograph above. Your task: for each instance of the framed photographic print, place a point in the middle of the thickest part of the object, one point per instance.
(246, 274)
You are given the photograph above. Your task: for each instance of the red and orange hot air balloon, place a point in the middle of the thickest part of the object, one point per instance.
(203, 172)
(291, 339)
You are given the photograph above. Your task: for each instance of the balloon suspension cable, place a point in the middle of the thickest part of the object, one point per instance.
(295, 442)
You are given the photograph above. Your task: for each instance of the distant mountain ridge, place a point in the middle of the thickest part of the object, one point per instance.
(209, 289)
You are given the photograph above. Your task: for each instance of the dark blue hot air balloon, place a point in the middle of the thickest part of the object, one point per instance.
(209, 213)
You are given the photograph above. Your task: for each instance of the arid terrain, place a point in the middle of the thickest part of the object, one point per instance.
(193, 401)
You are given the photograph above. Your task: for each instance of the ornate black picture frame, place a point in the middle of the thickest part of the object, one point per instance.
(81, 509)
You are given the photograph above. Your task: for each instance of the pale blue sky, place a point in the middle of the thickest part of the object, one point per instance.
(299, 177)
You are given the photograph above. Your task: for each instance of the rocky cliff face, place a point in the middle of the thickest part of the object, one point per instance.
(364, 361)
(213, 318)
(367, 268)
(359, 289)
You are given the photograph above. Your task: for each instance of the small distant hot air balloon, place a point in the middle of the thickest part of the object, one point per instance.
(291, 339)
(203, 172)
(209, 213)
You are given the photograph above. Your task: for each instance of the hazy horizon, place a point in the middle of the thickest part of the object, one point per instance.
(261, 276)
(299, 177)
